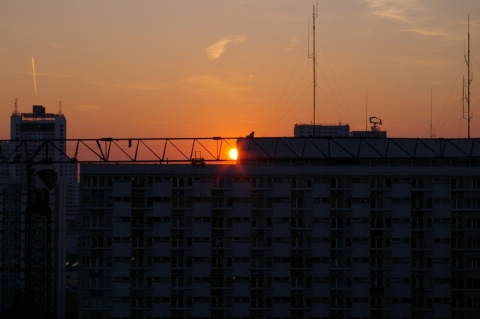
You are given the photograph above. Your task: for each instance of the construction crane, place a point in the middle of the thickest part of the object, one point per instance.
(117, 150)
(38, 160)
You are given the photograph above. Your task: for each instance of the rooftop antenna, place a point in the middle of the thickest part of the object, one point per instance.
(376, 122)
(313, 55)
(366, 110)
(60, 107)
(469, 80)
(15, 110)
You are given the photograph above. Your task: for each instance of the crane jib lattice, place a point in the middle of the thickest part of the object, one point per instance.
(117, 150)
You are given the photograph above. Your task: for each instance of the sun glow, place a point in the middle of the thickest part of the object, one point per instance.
(233, 154)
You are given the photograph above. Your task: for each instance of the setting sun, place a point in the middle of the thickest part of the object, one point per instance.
(233, 153)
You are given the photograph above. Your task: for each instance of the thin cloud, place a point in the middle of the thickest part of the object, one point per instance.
(75, 48)
(423, 61)
(48, 74)
(410, 13)
(88, 107)
(429, 33)
(293, 43)
(207, 84)
(130, 86)
(52, 75)
(390, 9)
(218, 48)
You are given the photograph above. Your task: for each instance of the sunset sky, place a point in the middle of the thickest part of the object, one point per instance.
(177, 68)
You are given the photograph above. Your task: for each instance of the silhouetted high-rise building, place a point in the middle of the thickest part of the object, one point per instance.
(40, 126)
(297, 228)
(35, 193)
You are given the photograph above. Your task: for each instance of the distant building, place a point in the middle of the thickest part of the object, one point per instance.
(40, 125)
(321, 130)
(298, 228)
(35, 196)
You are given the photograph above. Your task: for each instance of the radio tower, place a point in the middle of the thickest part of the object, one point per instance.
(313, 55)
(469, 80)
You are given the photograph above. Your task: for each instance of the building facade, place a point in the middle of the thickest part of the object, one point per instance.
(297, 228)
(35, 194)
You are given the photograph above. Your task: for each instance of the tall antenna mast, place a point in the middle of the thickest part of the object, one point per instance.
(469, 79)
(366, 110)
(15, 111)
(431, 112)
(313, 55)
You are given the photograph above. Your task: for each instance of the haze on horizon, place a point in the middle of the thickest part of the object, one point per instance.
(226, 68)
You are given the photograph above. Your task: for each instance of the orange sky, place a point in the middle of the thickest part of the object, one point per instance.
(226, 68)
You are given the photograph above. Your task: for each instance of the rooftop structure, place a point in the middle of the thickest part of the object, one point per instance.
(362, 150)
(321, 130)
(375, 130)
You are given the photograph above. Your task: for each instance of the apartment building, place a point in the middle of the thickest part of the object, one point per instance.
(296, 228)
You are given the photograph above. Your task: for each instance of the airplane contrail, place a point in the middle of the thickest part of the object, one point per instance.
(34, 77)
